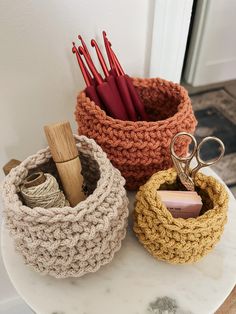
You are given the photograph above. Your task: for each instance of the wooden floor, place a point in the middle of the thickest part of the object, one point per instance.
(229, 306)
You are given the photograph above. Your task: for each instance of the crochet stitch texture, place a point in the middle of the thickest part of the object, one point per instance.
(139, 149)
(178, 240)
(70, 242)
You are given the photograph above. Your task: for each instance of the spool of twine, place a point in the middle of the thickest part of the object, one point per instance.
(42, 190)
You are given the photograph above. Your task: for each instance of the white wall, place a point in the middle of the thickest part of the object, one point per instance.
(39, 76)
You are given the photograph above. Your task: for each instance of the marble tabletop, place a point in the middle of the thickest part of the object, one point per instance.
(134, 282)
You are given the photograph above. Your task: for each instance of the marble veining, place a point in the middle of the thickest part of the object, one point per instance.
(134, 282)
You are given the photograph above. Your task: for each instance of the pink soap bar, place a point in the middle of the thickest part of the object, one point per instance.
(182, 204)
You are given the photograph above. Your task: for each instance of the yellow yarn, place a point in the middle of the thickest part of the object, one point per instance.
(178, 240)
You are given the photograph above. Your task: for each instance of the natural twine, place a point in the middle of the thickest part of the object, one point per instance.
(46, 194)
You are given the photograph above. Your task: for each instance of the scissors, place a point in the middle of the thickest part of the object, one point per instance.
(182, 164)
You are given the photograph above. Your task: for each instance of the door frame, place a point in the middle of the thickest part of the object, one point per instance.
(171, 23)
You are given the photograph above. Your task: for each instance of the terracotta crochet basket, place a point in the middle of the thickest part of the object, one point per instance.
(139, 149)
(178, 240)
(69, 242)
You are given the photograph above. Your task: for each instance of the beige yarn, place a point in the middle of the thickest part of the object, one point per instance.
(70, 242)
(46, 194)
(178, 240)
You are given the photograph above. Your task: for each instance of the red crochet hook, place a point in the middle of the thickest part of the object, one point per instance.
(86, 52)
(91, 65)
(108, 51)
(84, 70)
(122, 86)
(107, 46)
(116, 61)
(84, 46)
(117, 101)
(105, 91)
(90, 89)
(100, 57)
(139, 106)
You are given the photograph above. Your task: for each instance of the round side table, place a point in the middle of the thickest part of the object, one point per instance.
(134, 282)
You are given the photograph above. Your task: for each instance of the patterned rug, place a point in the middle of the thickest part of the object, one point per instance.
(216, 115)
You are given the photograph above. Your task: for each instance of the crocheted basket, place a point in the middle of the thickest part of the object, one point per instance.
(69, 242)
(178, 240)
(139, 149)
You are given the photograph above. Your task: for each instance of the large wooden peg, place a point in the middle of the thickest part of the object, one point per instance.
(65, 155)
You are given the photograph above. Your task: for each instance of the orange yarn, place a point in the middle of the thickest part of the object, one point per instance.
(139, 149)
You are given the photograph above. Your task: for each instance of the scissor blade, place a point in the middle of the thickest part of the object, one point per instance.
(187, 181)
(177, 165)
(184, 178)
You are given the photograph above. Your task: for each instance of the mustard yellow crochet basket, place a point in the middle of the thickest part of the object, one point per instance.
(178, 240)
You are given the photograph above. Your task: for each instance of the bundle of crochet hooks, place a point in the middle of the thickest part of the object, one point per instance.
(115, 92)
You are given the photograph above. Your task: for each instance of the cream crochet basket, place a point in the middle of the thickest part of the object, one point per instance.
(69, 242)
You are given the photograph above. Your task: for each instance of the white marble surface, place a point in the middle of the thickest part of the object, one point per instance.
(133, 280)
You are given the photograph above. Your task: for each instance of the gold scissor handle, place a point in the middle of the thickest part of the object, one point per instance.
(183, 172)
(202, 163)
(186, 160)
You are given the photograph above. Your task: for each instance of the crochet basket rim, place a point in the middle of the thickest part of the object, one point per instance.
(82, 207)
(129, 125)
(195, 222)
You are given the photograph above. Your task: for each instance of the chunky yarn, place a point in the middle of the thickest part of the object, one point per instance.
(69, 242)
(139, 149)
(178, 240)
